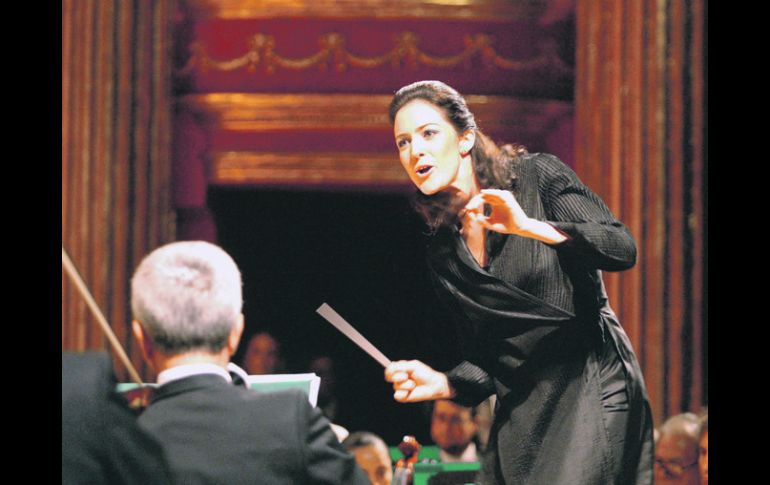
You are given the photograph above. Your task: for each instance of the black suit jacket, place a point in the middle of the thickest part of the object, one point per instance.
(215, 432)
(101, 441)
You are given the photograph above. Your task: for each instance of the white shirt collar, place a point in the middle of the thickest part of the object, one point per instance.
(469, 455)
(187, 370)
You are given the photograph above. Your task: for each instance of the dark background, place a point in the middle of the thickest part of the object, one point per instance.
(363, 254)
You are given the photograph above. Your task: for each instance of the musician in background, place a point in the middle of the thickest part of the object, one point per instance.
(703, 450)
(186, 300)
(372, 455)
(263, 355)
(453, 428)
(323, 367)
(676, 452)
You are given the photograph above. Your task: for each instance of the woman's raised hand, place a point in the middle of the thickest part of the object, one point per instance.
(506, 216)
(414, 381)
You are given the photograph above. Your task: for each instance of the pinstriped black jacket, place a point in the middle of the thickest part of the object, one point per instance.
(534, 326)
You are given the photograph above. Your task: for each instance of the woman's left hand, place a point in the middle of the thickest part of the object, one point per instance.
(506, 217)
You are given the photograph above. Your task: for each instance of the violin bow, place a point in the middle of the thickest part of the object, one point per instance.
(72, 272)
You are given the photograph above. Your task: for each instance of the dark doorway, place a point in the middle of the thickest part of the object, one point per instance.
(363, 254)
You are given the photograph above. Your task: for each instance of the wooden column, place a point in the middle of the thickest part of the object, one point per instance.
(115, 156)
(640, 144)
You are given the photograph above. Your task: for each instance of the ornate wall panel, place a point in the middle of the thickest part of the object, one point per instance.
(354, 129)
(490, 10)
(277, 112)
(371, 55)
(260, 83)
(640, 108)
(116, 128)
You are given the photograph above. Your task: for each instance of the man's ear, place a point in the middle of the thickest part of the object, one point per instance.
(143, 339)
(235, 335)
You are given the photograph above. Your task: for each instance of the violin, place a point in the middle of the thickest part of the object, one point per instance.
(139, 397)
(404, 472)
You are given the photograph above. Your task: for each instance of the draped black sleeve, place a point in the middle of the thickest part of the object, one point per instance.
(471, 383)
(596, 237)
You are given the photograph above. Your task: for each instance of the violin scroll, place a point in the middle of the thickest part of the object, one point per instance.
(404, 472)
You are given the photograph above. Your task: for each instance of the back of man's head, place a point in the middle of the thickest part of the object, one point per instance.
(187, 296)
(685, 425)
(372, 456)
(363, 438)
(676, 452)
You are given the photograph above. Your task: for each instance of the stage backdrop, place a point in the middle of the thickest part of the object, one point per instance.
(242, 121)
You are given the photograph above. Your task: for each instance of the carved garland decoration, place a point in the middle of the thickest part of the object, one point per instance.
(406, 52)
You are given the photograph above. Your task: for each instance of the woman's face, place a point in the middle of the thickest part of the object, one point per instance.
(429, 146)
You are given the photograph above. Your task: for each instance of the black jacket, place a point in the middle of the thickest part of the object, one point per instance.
(533, 325)
(101, 441)
(214, 432)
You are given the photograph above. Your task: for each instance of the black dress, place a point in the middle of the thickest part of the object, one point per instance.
(537, 330)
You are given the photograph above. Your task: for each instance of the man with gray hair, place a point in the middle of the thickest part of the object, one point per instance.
(372, 455)
(186, 300)
(676, 452)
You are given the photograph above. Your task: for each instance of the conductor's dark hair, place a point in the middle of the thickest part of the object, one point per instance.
(494, 166)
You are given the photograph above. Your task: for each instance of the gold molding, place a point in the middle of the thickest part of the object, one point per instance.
(478, 10)
(266, 112)
(406, 52)
(245, 112)
(256, 168)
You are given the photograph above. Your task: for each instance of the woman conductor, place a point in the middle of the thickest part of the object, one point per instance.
(517, 246)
